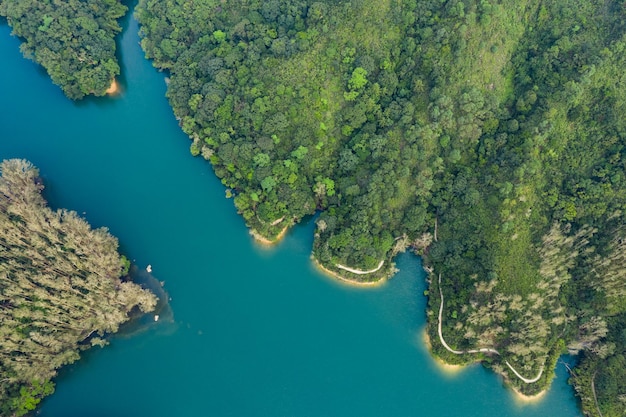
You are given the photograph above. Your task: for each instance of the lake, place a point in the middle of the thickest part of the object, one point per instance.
(255, 331)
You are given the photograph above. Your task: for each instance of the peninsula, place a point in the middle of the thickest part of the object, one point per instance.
(62, 289)
(73, 40)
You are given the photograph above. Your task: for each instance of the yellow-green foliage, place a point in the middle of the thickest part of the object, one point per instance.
(60, 288)
(495, 126)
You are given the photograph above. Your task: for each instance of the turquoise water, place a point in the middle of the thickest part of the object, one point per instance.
(255, 332)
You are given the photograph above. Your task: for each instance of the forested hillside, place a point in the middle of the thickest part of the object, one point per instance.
(72, 39)
(487, 135)
(302, 107)
(60, 289)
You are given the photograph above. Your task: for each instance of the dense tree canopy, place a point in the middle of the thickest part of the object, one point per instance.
(60, 289)
(72, 39)
(486, 134)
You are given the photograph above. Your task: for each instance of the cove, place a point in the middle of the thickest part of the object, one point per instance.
(255, 331)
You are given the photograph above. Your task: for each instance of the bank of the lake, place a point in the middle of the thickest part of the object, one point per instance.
(262, 240)
(341, 279)
(256, 331)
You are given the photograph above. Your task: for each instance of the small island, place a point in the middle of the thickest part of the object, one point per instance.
(63, 289)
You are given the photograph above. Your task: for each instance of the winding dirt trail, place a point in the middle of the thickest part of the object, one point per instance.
(593, 389)
(480, 350)
(358, 271)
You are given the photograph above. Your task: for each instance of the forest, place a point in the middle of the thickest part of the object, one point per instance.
(74, 40)
(486, 135)
(63, 289)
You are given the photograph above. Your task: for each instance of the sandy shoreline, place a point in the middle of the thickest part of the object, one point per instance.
(528, 398)
(346, 281)
(113, 88)
(445, 367)
(454, 369)
(265, 241)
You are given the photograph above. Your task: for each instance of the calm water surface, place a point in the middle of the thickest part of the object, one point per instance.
(256, 332)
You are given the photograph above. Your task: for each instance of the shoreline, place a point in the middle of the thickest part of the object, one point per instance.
(445, 367)
(263, 241)
(451, 369)
(113, 88)
(346, 281)
(527, 398)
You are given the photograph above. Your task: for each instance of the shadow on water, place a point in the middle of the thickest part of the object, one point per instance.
(40, 70)
(141, 322)
(122, 79)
